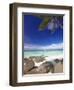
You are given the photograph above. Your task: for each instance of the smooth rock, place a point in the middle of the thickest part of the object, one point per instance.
(28, 65)
(46, 67)
(32, 71)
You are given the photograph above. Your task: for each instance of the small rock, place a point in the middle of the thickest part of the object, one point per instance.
(56, 60)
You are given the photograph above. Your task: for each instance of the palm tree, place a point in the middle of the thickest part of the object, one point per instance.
(51, 21)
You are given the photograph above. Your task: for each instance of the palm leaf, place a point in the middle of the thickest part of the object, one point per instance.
(46, 20)
(44, 23)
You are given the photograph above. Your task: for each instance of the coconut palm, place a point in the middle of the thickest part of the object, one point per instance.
(52, 22)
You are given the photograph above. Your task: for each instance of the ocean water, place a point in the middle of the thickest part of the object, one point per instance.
(28, 53)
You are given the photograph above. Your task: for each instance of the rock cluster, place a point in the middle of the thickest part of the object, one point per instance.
(37, 59)
(45, 67)
(54, 66)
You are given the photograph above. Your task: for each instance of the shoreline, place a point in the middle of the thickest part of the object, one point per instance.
(42, 64)
(51, 59)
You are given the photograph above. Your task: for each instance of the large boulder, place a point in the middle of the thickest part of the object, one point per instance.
(46, 67)
(32, 71)
(28, 65)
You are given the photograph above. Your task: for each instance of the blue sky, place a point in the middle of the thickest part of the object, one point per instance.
(34, 38)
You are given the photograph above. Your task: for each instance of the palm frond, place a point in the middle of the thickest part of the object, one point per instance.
(44, 23)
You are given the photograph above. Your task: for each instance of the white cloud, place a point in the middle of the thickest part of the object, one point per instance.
(39, 47)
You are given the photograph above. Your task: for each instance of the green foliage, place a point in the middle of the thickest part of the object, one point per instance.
(44, 23)
(46, 20)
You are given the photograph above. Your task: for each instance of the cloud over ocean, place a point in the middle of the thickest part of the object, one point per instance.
(40, 47)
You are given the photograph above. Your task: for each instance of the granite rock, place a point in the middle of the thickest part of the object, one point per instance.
(28, 64)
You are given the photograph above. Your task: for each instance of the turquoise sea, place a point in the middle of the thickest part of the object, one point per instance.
(28, 53)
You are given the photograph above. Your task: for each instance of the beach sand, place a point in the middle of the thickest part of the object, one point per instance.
(58, 68)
